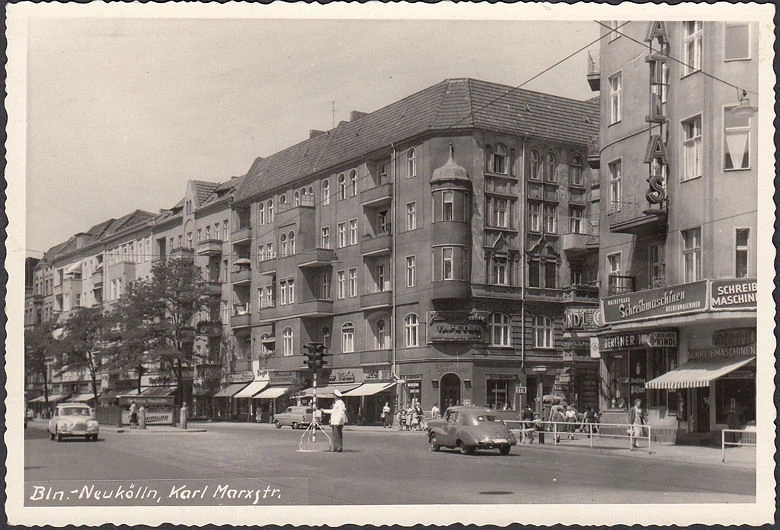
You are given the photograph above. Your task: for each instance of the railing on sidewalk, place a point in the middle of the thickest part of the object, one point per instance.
(527, 431)
(738, 438)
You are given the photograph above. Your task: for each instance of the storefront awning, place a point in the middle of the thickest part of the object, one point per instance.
(159, 391)
(327, 391)
(696, 373)
(273, 392)
(53, 398)
(369, 389)
(230, 391)
(251, 389)
(81, 398)
(39, 399)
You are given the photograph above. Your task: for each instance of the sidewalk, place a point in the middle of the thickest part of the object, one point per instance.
(152, 429)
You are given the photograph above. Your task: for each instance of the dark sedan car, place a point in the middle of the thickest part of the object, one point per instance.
(470, 428)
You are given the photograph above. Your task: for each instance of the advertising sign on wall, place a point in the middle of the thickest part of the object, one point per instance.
(629, 341)
(457, 326)
(580, 318)
(654, 303)
(737, 293)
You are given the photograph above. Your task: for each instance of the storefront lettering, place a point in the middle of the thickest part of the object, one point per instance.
(662, 339)
(655, 339)
(734, 337)
(733, 293)
(456, 326)
(580, 318)
(342, 376)
(665, 301)
(709, 353)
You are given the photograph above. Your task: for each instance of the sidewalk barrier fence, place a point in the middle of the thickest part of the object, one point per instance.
(737, 438)
(596, 433)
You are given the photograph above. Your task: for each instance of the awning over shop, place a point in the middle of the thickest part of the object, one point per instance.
(53, 398)
(696, 374)
(230, 391)
(128, 393)
(273, 392)
(81, 398)
(159, 391)
(369, 389)
(251, 389)
(327, 391)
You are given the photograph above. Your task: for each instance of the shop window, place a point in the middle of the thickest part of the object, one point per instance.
(497, 393)
(741, 387)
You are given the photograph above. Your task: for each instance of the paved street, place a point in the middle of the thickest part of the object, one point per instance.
(386, 467)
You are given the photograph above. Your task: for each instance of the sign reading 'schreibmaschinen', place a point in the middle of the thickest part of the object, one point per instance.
(665, 301)
(734, 294)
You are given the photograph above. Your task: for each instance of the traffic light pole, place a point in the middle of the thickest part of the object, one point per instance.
(309, 436)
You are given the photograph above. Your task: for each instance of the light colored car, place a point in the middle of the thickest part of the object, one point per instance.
(468, 429)
(294, 417)
(73, 419)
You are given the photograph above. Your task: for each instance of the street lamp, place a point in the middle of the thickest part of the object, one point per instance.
(744, 109)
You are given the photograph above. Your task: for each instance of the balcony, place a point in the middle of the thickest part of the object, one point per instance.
(182, 253)
(376, 357)
(581, 293)
(378, 245)
(242, 317)
(267, 266)
(121, 268)
(286, 363)
(314, 258)
(574, 244)
(620, 284)
(376, 300)
(594, 153)
(543, 294)
(635, 216)
(594, 70)
(97, 279)
(241, 275)
(212, 288)
(319, 307)
(377, 196)
(209, 328)
(210, 247)
(450, 289)
(242, 234)
(496, 292)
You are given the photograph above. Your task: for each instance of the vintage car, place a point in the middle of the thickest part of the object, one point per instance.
(470, 428)
(294, 417)
(73, 419)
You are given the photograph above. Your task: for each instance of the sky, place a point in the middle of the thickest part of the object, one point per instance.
(122, 112)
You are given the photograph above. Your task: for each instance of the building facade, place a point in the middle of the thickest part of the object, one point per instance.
(678, 167)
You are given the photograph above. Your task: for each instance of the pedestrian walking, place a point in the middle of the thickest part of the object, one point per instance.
(409, 417)
(435, 412)
(401, 419)
(418, 416)
(735, 418)
(557, 418)
(133, 416)
(589, 421)
(338, 417)
(387, 416)
(570, 417)
(636, 418)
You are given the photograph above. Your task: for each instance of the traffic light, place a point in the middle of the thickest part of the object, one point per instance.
(315, 353)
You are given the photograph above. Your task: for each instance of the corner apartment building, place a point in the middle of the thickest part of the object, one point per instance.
(441, 247)
(678, 167)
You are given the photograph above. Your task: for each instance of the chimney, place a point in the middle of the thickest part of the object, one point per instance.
(315, 132)
(356, 115)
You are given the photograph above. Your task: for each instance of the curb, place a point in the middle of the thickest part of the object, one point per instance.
(123, 430)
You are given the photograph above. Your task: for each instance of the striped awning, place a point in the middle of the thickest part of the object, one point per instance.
(697, 373)
(273, 392)
(369, 389)
(251, 389)
(230, 391)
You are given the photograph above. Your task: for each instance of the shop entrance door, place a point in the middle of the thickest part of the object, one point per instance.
(450, 391)
(699, 405)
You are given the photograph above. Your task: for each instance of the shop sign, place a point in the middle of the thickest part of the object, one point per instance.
(580, 318)
(595, 349)
(734, 337)
(654, 303)
(341, 376)
(154, 380)
(413, 384)
(734, 294)
(243, 377)
(520, 389)
(457, 326)
(627, 341)
(455, 368)
(501, 377)
(662, 339)
(373, 374)
(720, 352)
(152, 418)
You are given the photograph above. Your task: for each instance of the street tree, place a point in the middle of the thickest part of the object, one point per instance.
(83, 342)
(40, 349)
(155, 319)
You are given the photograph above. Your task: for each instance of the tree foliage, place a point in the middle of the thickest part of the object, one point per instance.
(83, 342)
(40, 349)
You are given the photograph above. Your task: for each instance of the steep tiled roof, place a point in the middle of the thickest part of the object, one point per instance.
(131, 219)
(452, 104)
(203, 189)
(222, 192)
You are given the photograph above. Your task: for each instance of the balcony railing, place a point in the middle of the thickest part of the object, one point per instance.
(377, 196)
(182, 253)
(377, 245)
(210, 247)
(376, 300)
(634, 215)
(581, 293)
(503, 292)
(241, 275)
(620, 284)
(242, 234)
(585, 238)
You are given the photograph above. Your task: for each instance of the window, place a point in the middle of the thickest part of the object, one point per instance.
(282, 199)
(548, 170)
(208, 231)
(692, 32)
(265, 339)
(499, 330)
(613, 264)
(411, 329)
(283, 245)
(448, 199)
(550, 273)
(326, 336)
(381, 221)
(692, 148)
(736, 149)
(291, 241)
(741, 246)
(411, 163)
(287, 292)
(380, 278)
(348, 337)
(550, 218)
(411, 215)
(656, 262)
(269, 251)
(543, 332)
(737, 42)
(382, 173)
(342, 235)
(381, 335)
(352, 283)
(447, 263)
(534, 217)
(189, 239)
(269, 206)
(576, 273)
(499, 160)
(340, 284)
(411, 274)
(534, 165)
(342, 187)
(225, 230)
(324, 286)
(613, 26)
(325, 237)
(500, 217)
(576, 223)
(691, 254)
(499, 270)
(200, 235)
(615, 185)
(297, 199)
(353, 182)
(269, 295)
(325, 192)
(353, 232)
(575, 171)
(615, 97)
(287, 341)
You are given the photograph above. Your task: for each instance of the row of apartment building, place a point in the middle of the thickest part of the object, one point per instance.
(456, 247)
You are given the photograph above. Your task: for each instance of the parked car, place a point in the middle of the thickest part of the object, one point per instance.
(468, 429)
(73, 419)
(294, 417)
